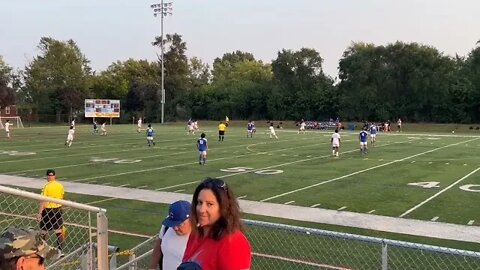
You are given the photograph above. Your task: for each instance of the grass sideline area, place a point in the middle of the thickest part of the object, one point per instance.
(263, 169)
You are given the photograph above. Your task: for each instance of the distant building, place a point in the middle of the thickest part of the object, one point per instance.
(9, 111)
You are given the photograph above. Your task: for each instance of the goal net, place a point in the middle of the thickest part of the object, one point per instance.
(16, 121)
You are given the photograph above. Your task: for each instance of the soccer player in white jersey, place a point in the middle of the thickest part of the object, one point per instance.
(272, 131)
(335, 140)
(71, 133)
(104, 129)
(139, 124)
(302, 127)
(7, 128)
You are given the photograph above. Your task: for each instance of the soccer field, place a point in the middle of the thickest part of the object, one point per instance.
(414, 175)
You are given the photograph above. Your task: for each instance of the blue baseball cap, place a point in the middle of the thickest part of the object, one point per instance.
(178, 212)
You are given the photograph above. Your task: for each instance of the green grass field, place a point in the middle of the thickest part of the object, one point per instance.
(295, 169)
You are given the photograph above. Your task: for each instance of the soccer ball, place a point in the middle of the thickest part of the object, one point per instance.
(453, 131)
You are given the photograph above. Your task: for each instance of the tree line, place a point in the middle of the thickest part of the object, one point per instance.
(412, 81)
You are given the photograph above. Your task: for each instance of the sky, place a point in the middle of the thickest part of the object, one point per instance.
(111, 30)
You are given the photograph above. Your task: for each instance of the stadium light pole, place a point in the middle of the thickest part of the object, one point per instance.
(163, 9)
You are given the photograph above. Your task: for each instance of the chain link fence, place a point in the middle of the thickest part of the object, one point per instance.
(84, 228)
(277, 246)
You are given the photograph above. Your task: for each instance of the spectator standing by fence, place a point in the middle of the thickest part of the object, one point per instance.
(24, 249)
(217, 241)
(50, 214)
(172, 238)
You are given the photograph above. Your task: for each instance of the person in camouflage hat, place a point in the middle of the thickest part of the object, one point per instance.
(24, 249)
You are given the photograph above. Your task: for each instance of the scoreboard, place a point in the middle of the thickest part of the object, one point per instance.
(106, 108)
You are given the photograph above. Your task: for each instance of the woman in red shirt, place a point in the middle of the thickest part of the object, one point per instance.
(217, 242)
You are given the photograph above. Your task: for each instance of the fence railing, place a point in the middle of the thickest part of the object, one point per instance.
(285, 247)
(85, 228)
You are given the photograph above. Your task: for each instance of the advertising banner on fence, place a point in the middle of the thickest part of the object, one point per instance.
(106, 108)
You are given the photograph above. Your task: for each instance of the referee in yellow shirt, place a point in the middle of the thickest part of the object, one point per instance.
(221, 131)
(50, 214)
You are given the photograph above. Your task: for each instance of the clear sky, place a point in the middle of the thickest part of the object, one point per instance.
(110, 30)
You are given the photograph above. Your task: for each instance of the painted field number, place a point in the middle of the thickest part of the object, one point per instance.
(246, 169)
(470, 188)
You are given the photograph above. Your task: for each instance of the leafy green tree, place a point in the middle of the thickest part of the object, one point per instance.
(176, 74)
(7, 93)
(301, 89)
(57, 80)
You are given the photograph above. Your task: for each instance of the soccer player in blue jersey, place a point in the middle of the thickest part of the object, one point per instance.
(363, 137)
(202, 147)
(150, 134)
(250, 129)
(373, 134)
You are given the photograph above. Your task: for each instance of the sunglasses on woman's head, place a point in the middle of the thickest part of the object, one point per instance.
(219, 183)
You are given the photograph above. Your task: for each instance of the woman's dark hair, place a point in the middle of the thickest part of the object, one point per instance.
(229, 220)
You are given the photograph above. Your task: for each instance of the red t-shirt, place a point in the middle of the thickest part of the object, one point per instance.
(232, 252)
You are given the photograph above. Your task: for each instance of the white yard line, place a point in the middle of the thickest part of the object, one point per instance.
(434, 219)
(179, 190)
(241, 197)
(290, 202)
(471, 222)
(315, 205)
(341, 208)
(370, 212)
(438, 193)
(142, 187)
(362, 171)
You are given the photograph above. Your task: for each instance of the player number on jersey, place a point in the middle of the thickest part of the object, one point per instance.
(470, 188)
(247, 169)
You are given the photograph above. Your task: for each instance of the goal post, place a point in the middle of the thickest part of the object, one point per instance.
(16, 121)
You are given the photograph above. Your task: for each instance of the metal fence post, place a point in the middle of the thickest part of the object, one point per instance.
(102, 241)
(384, 255)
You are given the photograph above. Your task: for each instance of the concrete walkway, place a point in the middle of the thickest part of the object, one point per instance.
(318, 215)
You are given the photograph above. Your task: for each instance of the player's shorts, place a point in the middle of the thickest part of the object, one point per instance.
(302, 128)
(104, 129)
(221, 132)
(250, 130)
(273, 133)
(204, 153)
(335, 145)
(363, 143)
(191, 128)
(52, 219)
(373, 135)
(150, 138)
(69, 138)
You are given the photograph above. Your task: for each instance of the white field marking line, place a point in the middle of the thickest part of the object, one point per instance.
(179, 190)
(290, 202)
(269, 167)
(438, 193)
(142, 187)
(241, 197)
(362, 171)
(371, 211)
(315, 205)
(341, 208)
(141, 157)
(434, 219)
(471, 222)
(75, 155)
(299, 261)
(124, 185)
